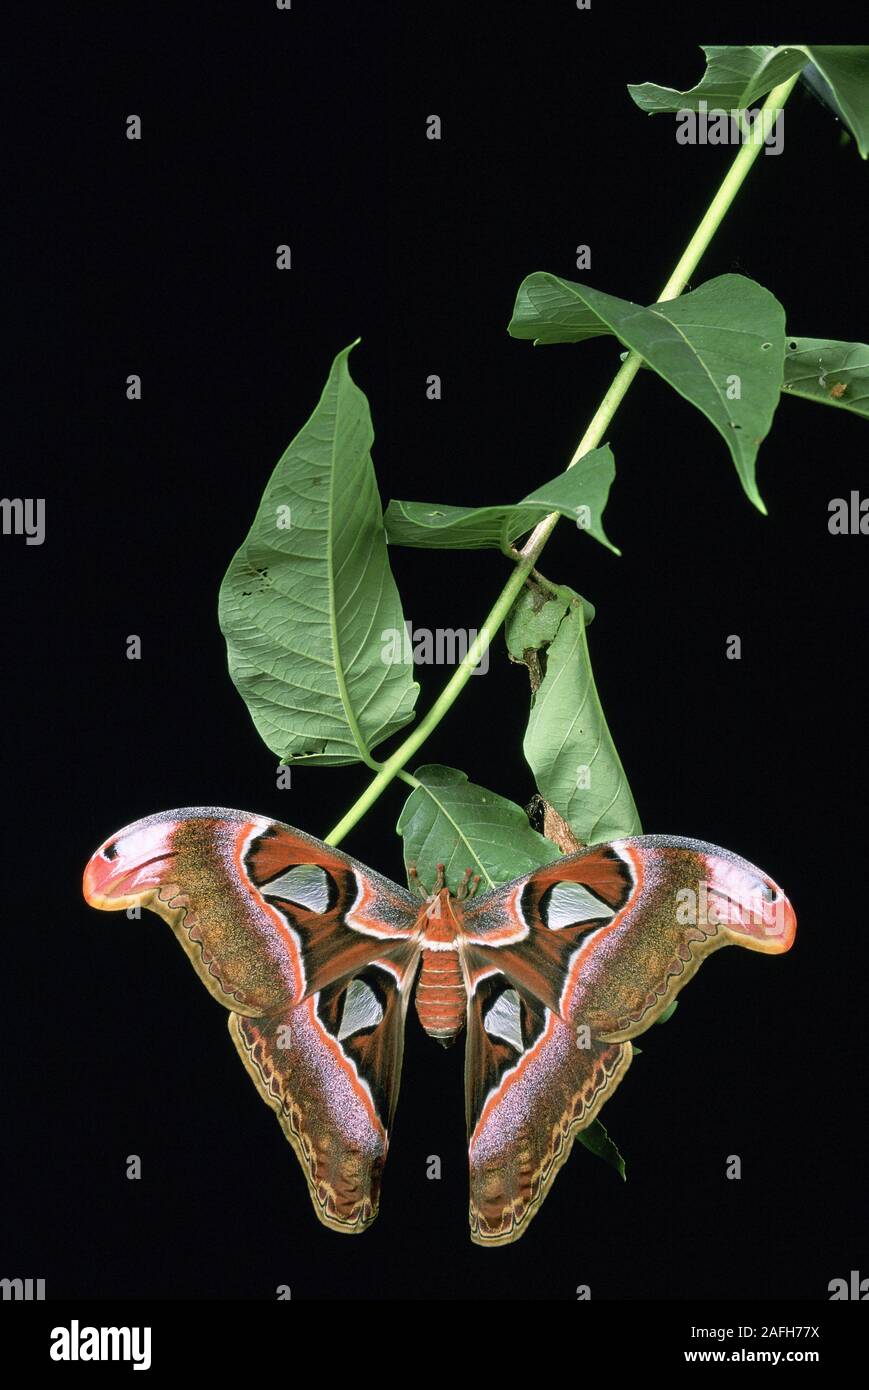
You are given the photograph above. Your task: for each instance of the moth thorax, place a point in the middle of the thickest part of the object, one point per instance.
(440, 995)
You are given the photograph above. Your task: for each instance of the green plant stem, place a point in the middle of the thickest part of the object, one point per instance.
(688, 261)
(459, 679)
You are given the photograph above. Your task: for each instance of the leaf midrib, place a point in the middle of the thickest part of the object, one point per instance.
(343, 692)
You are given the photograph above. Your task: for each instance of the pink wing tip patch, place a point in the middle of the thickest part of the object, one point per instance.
(752, 908)
(124, 870)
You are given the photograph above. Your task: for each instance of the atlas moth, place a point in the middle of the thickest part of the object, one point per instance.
(316, 957)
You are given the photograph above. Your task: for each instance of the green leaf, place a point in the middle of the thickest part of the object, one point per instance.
(440, 526)
(597, 1141)
(308, 596)
(580, 494)
(551, 310)
(736, 77)
(668, 1012)
(536, 616)
(833, 373)
(569, 747)
(729, 333)
(827, 371)
(452, 821)
(844, 84)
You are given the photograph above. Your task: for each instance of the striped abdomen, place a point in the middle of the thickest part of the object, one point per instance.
(440, 995)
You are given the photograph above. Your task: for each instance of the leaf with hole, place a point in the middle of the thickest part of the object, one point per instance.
(827, 371)
(721, 347)
(536, 616)
(736, 77)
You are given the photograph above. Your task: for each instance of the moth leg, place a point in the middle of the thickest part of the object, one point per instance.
(469, 885)
(417, 887)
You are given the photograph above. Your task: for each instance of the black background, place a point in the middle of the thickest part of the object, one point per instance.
(158, 258)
